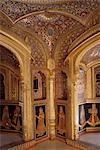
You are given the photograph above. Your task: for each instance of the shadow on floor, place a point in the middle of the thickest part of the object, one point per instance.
(8, 140)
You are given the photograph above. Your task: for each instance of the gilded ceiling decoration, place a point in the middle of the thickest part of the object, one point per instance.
(55, 25)
(62, 53)
(49, 31)
(16, 9)
(38, 58)
(91, 55)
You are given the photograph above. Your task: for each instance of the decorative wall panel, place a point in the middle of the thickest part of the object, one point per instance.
(89, 116)
(40, 121)
(39, 86)
(61, 120)
(10, 118)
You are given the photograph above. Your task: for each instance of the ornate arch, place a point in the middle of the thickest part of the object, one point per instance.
(74, 60)
(25, 37)
(16, 47)
(93, 41)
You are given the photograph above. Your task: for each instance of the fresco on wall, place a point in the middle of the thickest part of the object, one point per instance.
(40, 117)
(89, 115)
(61, 121)
(10, 118)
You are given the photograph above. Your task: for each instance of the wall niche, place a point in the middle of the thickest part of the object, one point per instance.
(61, 86)
(39, 86)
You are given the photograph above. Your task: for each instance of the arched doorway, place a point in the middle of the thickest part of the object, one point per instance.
(22, 53)
(10, 100)
(86, 95)
(87, 92)
(80, 81)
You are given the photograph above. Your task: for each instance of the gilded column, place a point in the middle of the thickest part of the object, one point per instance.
(51, 67)
(52, 107)
(27, 102)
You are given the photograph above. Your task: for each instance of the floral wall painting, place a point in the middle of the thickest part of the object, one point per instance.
(89, 115)
(61, 121)
(10, 118)
(40, 121)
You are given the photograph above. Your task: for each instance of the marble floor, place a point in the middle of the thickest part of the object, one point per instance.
(8, 140)
(52, 145)
(91, 138)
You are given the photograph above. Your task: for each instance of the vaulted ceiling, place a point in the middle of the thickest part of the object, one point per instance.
(50, 28)
(91, 55)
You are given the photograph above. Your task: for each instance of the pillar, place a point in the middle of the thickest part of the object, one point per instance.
(52, 107)
(89, 84)
(76, 109)
(27, 102)
(51, 67)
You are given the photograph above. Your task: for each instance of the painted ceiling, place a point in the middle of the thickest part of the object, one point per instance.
(49, 28)
(91, 55)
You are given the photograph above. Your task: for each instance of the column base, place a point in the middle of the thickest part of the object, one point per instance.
(52, 129)
(52, 137)
(27, 137)
(77, 136)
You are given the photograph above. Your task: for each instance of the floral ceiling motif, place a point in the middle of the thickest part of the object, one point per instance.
(56, 25)
(92, 54)
(50, 30)
(62, 53)
(38, 58)
(17, 9)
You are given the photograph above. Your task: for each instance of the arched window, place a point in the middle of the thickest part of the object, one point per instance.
(2, 87)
